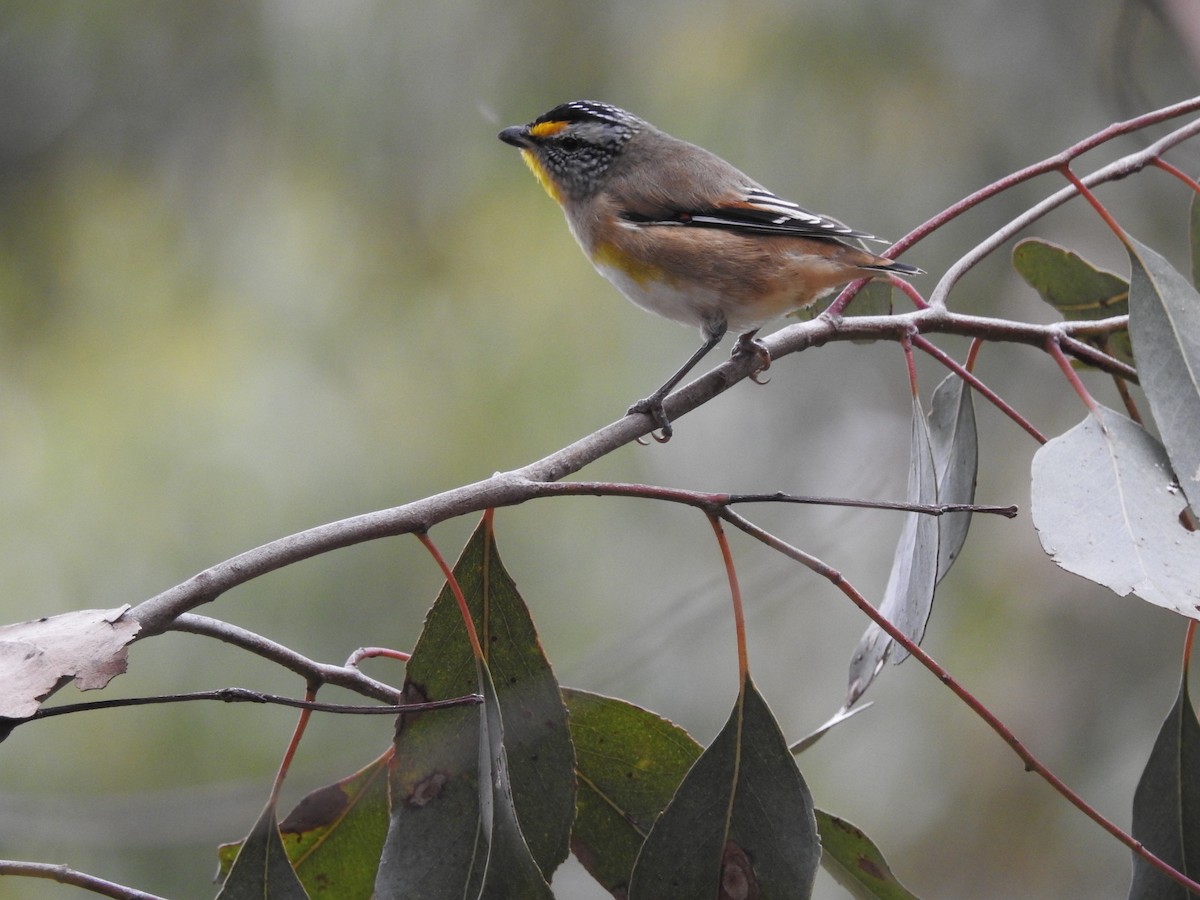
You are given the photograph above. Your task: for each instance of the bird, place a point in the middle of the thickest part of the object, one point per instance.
(684, 234)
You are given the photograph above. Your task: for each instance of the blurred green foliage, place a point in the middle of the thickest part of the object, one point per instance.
(264, 265)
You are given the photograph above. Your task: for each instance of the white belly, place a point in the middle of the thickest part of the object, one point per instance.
(694, 307)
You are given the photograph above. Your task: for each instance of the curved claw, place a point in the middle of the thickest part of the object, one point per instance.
(748, 345)
(652, 406)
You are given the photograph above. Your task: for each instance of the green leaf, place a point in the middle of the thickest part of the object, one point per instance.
(1194, 237)
(1105, 507)
(856, 863)
(1069, 283)
(875, 299)
(261, 870)
(629, 763)
(954, 445)
(1166, 805)
(512, 873)
(908, 597)
(741, 823)
(437, 841)
(334, 835)
(1076, 288)
(1164, 321)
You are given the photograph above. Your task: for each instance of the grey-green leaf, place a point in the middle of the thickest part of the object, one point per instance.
(1166, 805)
(1164, 322)
(1105, 505)
(954, 444)
(908, 597)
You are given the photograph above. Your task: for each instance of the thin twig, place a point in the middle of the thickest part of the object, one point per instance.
(347, 676)
(1114, 171)
(245, 695)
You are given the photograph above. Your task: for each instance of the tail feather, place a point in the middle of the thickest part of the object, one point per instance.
(897, 268)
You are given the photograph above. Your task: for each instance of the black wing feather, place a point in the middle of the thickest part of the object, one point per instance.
(761, 213)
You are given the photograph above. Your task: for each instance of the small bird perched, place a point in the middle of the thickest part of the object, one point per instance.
(683, 233)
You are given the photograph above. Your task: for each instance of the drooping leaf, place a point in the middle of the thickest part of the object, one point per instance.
(836, 719)
(954, 445)
(441, 800)
(741, 823)
(334, 835)
(908, 597)
(629, 763)
(1074, 287)
(1105, 506)
(37, 657)
(261, 870)
(511, 871)
(1166, 805)
(856, 863)
(1194, 237)
(1164, 322)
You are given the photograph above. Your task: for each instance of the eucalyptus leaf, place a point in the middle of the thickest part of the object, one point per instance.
(1164, 322)
(1166, 805)
(908, 597)
(1106, 506)
(741, 823)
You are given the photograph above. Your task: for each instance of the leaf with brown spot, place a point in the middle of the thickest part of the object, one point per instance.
(334, 835)
(856, 863)
(741, 822)
(483, 797)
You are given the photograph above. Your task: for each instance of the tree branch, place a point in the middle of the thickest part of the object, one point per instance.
(67, 875)
(313, 672)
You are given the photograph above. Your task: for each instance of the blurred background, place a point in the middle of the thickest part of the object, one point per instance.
(265, 265)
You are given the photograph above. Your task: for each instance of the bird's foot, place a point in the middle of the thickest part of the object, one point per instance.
(748, 345)
(652, 406)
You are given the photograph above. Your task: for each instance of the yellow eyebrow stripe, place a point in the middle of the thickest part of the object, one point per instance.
(547, 129)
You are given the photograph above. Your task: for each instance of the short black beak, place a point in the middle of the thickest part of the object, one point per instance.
(517, 135)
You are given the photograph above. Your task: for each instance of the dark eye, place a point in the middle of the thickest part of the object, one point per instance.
(571, 144)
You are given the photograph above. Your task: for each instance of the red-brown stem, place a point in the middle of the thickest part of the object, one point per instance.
(465, 610)
(739, 614)
(1032, 763)
(972, 355)
(310, 694)
(965, 373)
(911, 292)
(906, 343)
(1057, 161)
(376, 652)
(1127, 400)
(1086, 193)
(1178, 173)
(1072, 376)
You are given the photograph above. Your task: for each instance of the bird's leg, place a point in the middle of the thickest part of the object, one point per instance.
(748, 345)
(653, 405)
